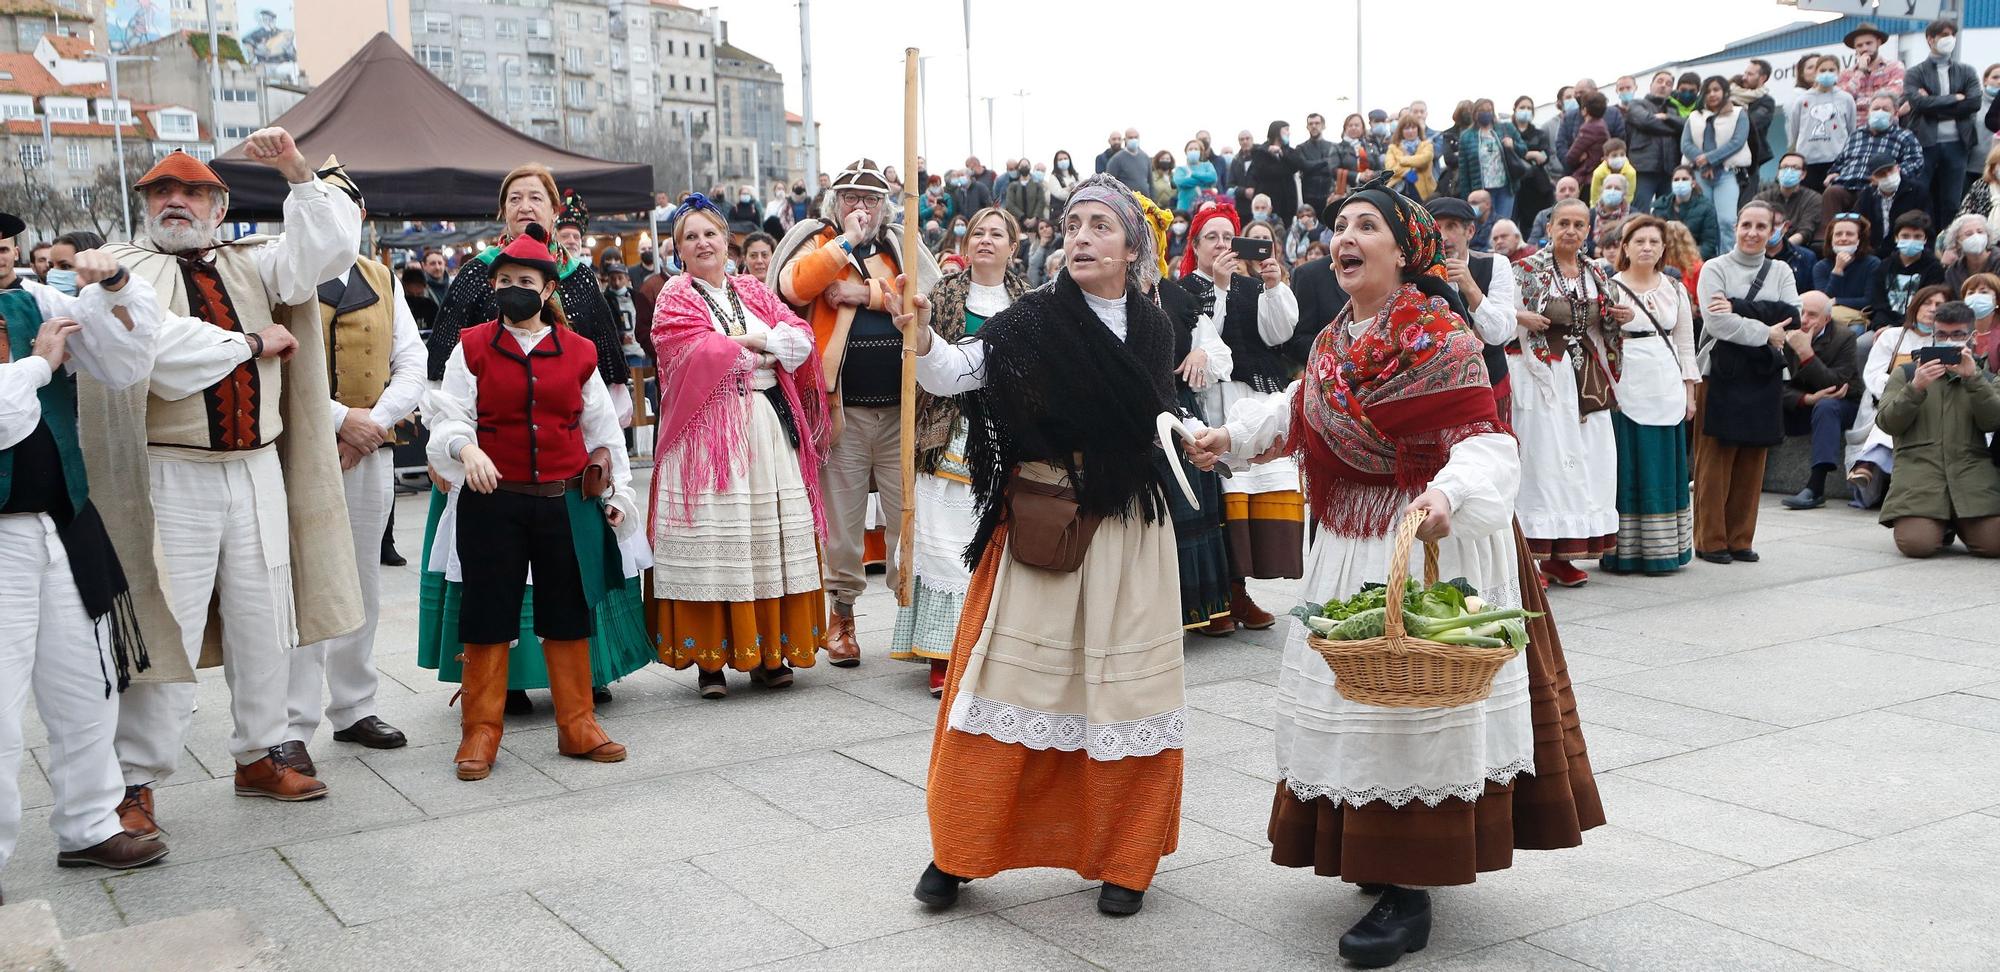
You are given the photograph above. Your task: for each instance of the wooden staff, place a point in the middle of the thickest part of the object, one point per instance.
(906, 536)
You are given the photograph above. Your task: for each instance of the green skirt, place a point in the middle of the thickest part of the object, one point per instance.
(618, 642)
(1655, 518)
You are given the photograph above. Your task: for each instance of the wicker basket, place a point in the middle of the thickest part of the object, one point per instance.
(1401, 672)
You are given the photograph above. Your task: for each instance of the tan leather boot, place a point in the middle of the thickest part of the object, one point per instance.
(483, 696)
(843, 649)
(577, 732)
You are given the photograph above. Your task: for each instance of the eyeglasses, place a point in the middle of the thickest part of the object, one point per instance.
(866, 200)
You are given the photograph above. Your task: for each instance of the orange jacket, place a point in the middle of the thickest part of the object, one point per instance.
(819, 262)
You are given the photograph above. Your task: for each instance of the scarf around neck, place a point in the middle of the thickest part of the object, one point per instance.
(1382, 410)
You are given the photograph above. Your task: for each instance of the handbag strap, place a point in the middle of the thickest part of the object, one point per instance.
(1636, 299)
(1757, 282)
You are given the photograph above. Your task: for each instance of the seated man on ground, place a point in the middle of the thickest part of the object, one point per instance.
(1823, 392)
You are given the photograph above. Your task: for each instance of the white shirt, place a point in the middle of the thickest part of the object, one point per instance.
(1494, 321)
(103, 349)
(407, 360)
(451, 409)
(790, 346)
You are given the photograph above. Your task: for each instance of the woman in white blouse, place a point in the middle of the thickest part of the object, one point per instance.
(736, 516)
(1655, 395)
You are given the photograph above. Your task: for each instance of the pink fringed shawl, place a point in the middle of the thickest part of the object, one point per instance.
(703, 378)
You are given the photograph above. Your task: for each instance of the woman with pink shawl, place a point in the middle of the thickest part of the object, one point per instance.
(736, 518)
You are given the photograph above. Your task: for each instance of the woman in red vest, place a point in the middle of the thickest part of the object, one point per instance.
(524, 417)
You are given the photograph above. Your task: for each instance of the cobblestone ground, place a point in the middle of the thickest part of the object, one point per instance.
(1800, 760)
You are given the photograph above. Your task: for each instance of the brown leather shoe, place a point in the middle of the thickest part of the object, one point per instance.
(293, 752)
(1246, 612)
(1221, 627)
(273, 777)
(121, 851)
(843, 649)
(577, 733)
(373, 733)
(484, 699)
(135, 813)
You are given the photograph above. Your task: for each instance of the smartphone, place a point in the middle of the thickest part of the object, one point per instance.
(1251, 251)
(1944, 356)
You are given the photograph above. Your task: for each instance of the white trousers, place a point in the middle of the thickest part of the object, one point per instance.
(222, 534)
(47, 641)
(347, 664)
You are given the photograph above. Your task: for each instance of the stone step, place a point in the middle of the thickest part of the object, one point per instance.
(206, 941)
(30, 941)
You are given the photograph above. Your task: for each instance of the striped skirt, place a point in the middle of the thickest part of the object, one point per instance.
(1655, 517)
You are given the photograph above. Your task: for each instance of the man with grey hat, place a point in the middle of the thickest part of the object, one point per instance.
(836, 271)
(375, 371)
(1873, 72)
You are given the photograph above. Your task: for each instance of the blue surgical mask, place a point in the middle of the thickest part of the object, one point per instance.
(62, 280)
(1569, 104)
(1981, 304)
(1790, 177)
(1478, 211)
(1910, 249)
(1625, 97)
(1039, 175)
(1880, 120)
(1194, 157)
(743, 197)
(1062, 165)
(1827, 79)
(1612, 197)
(1131, 145)
(961, 182)
(1683, 188)
(1260, 216)
(1524, 116)
(1381, 129)
(958, 230)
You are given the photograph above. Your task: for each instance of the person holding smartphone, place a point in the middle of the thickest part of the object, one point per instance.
(1941, 407)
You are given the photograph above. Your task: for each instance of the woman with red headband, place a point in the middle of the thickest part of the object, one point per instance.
(1394, 414)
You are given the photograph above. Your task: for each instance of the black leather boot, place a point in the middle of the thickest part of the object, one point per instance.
(938, 889)
(1400, 923)
(1114, 899)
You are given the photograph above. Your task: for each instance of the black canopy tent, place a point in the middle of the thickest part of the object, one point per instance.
(417, 149)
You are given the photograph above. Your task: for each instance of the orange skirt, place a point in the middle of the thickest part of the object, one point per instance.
(997, 806)
(743, 635)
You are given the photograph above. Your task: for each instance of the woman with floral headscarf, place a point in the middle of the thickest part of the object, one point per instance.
(1394, 414)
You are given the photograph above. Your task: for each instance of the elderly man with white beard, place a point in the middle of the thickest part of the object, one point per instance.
(837, 272)
(222, 475)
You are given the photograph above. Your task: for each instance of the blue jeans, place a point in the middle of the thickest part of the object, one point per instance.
(1827, 422)
(1650, 184)
(1722, 192)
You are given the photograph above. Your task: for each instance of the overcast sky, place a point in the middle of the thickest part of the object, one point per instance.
(1170, 67)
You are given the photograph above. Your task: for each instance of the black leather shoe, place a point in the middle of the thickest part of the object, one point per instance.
(518, 702)
(372, 733)
(938, 889)
(1113, 899)
(1746, 556)
(390, 558)
(294, 754)
(1371, 889)
(1715, 556)
(599, 695)
(1400, 923)
(1804, 499)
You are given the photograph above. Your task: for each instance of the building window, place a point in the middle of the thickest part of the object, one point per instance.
(539, 29)
(237, 131)
(28, 33)
(573, 20)
(472, 27)
(112, 113)
(507, 27)
(702, 53)
(673, 82)
(542, 64)
(437, 59)
(176, 123)
(249, 95)
(472, 62)
(579, 127)
(206, 153)
(16, 110)
(617, 59)
(542, 95)
(77, 151)
(579, 94)
(32, 156)
(573, 59)
(67, 113)
(80, 195)
(437, 23)
(475, 93)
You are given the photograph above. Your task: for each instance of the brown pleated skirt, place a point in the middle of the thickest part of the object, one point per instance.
(1454, 841)
(997, 806)
(1266, 534)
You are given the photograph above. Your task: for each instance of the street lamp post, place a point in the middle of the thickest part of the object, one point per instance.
(989, 99)
(111, 62)
(1021, 104)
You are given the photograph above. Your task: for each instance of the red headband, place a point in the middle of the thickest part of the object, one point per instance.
(1208, 211)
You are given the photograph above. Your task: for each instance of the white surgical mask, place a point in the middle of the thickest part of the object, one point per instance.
(1976, 243)
(1947, 44)
(1981, 304)
(1850, 250)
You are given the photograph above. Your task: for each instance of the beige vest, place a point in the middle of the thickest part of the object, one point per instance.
(358, 342)
(186, 423)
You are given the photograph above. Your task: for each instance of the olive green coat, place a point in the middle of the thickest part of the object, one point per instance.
(1943, 467)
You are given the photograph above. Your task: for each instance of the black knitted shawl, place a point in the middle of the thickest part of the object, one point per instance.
(1061, 388)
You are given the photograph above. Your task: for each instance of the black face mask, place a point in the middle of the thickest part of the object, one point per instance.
(517, 303)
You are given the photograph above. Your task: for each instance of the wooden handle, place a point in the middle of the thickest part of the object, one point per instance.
(1399, 573)
(906, 538)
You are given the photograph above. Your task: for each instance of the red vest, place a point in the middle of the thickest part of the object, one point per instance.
(531, 405)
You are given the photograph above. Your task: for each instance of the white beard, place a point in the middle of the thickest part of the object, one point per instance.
(174, 239)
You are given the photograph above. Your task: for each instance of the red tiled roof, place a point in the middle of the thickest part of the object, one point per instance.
(29, 77)
(794, 118)
(69, 48)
